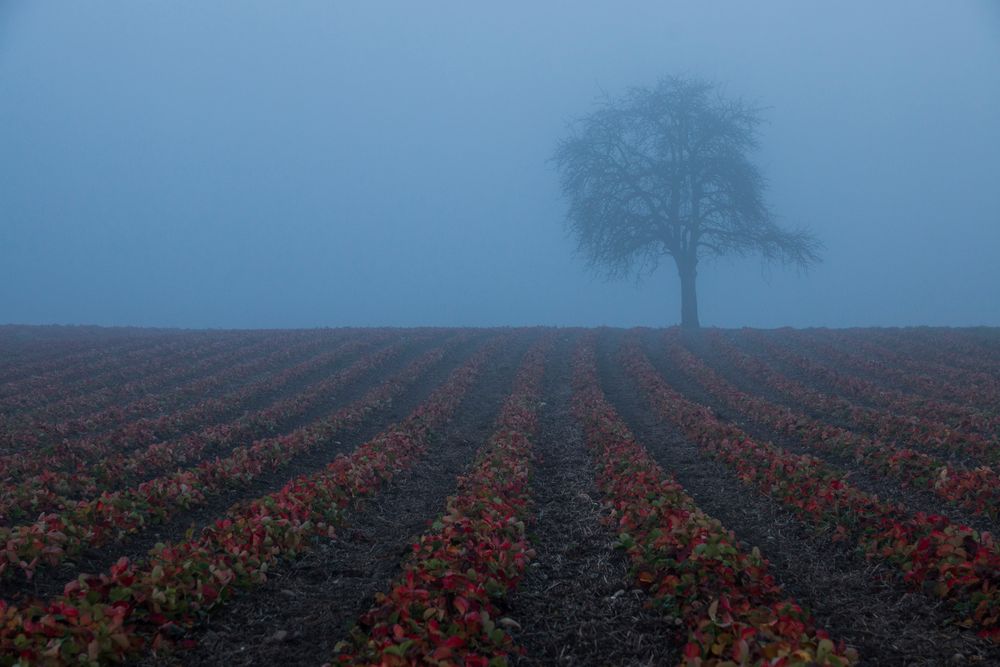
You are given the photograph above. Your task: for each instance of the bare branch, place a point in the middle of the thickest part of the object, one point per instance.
(666, 171)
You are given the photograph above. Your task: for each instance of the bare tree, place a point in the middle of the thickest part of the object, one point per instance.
(666, 172)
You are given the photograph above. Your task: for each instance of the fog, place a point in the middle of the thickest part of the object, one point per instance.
(321, 163)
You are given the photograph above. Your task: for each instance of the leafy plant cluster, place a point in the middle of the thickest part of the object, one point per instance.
(954, 562)
(976, 489)
(931, 372)
(51, 478)
(56, 425)
(71, 363)
(891, 423)
(106, 375)
(101, 618)
(961, 418)
(444, 608)
(692, 567)
(56, 537)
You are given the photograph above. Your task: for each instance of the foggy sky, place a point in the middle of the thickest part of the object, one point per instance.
(327, 163)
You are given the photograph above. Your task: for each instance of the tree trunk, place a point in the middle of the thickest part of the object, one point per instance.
(689, 297)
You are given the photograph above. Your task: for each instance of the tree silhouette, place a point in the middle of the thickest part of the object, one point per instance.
(665, 171)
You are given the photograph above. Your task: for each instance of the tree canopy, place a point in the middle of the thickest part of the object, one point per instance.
(667, 171)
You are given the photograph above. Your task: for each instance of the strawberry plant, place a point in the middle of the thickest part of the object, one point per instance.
(442, 609)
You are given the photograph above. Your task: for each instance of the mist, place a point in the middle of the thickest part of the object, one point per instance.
(256, 164)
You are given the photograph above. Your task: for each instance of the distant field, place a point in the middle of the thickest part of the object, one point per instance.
(494, 496)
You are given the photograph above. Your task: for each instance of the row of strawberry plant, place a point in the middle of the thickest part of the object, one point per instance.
(925, 434)
(977, 489)
(956, 348)
(112, 450)
(56, 537)
(63, 365)
(115, 466)
(104, 451)
(134, 606)
(733, 611)
(932, 364)
(54, 398)
(937, 380)
(100, 358)
(955, 562)
(40, 350)
(61, 408)
(53, 446)
(64, 421)
(956, 415)
(25, 354)
(443, 608)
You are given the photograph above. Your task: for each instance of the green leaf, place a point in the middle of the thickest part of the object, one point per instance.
(399, 650)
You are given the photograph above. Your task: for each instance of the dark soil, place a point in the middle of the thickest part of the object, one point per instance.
(348, 393)
(252, 403)
(304, 609)
(753, 348)
(48, 582)
(705, 349)
(858, 601)
(576, 605)
(27, 359)
(108, 359)
(870, 481)
(887, 384)
(108, 386)
(823, 351)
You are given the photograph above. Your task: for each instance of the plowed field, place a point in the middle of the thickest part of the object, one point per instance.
(509, 496)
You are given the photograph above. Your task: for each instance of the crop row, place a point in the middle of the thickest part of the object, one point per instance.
(33, 351)
(443, 607)
(924, 378)
(77, 455)
(61, 410)
(977, 489)
(52, 395)
(691, 566)
(105, 464)
(959, 349)
(956, 563)
(136, 605)
(58, 536)
(198, 381)
(24, 354)
(957, 416)
(59, 366)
